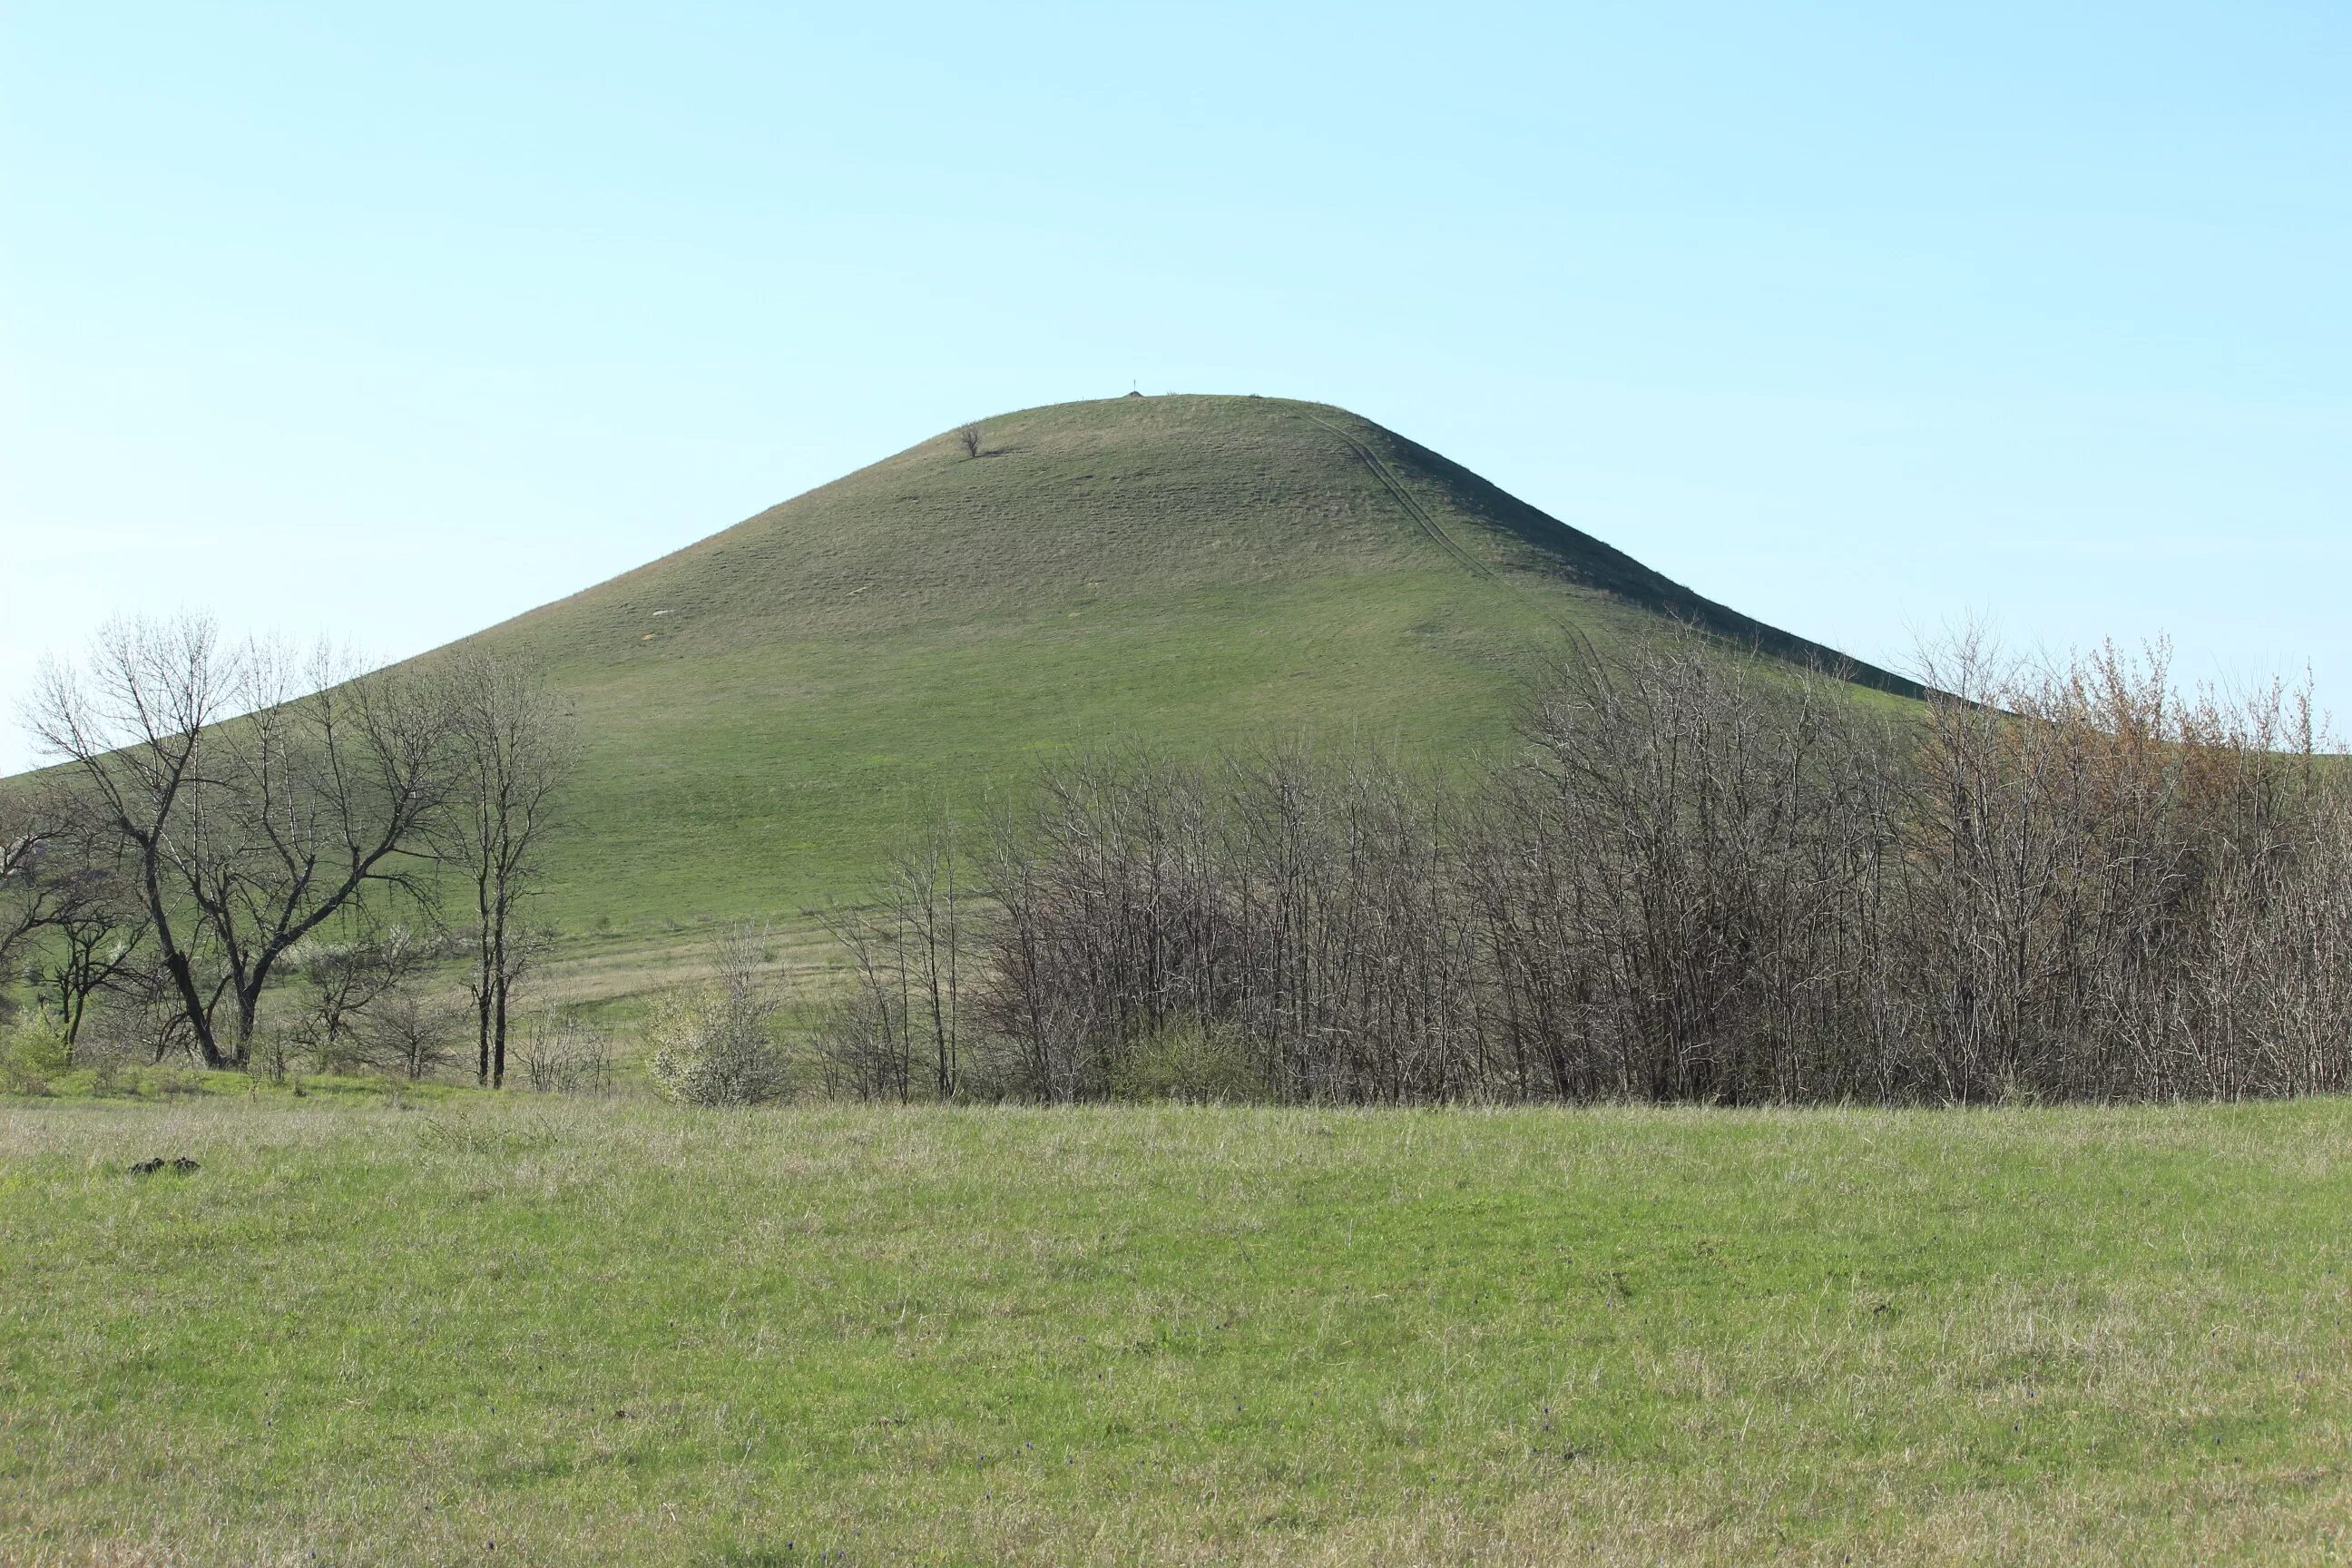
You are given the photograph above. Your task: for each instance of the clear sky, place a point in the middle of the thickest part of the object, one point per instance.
(389, 321)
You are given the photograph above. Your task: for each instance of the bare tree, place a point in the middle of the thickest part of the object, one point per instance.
(242, 837)
(516, 743)
(969, 438)
(132, 722)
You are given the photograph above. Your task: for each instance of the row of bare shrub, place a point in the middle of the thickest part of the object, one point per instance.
(1705, 878)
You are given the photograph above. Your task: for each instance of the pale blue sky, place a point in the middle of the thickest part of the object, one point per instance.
(391, 322)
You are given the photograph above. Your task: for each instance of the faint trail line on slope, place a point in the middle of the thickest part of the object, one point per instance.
(1435, 529)
(1413, 509)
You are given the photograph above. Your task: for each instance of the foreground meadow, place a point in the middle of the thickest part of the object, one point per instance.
(549, 1331)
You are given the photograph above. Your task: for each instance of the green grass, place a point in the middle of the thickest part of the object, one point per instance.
(623, 1333)
(767, 709)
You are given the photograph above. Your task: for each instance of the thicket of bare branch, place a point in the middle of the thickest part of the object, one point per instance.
(27, 895)
(1708, 881)
(560, 1055)
(898, 1031)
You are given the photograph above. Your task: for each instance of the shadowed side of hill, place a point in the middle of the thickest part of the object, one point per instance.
(1542, 545)
(767, 709)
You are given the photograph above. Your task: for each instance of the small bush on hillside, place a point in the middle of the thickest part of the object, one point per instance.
(706, 1052)
(715, 1045)
(31, 1054)
(1188, 1060)
(178, 1083)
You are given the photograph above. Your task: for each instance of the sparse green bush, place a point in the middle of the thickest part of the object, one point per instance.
(1188, 1061)
(32, 1052)
(178, 1083)
(716, 1045)
(709, 1053)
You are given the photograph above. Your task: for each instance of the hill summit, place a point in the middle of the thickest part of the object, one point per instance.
(765, 707)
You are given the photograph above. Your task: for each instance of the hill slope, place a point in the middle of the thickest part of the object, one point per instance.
(765, 707)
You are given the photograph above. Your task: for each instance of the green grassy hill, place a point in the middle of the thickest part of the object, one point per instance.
(765, 709)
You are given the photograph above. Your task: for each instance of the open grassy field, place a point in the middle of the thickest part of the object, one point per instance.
(562, 1332)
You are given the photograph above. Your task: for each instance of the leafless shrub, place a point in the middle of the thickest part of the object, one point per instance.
(1313, 912)
(1706, 877)
(969, 438)
(136, 1019)
(2110, 883)
(412, 1035)
(27, 837)
(898, 1030)
(560, 1055)
(1676, 887)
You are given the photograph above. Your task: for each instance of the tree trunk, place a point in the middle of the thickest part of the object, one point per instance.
(486, 984)
(498, 979)
(498, 1042)
(247, 1008)
(184, 981)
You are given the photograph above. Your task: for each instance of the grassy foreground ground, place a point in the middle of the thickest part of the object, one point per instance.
(549, 1331)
